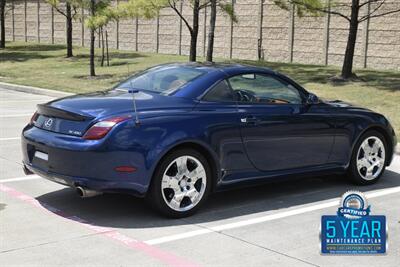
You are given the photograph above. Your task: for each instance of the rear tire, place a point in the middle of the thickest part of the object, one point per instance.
(181, 183)
(368, 159)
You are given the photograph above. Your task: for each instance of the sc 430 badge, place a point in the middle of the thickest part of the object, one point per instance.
(353, 230)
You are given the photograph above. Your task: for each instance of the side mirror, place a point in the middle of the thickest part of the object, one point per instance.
(312, 99)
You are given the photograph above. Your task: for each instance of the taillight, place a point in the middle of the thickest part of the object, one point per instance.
(101, 128)
(34, 118)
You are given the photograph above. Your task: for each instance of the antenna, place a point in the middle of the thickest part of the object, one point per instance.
(133, 91)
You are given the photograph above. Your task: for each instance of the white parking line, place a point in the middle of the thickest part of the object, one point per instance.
(271, 217)
(16, 115)
(20, 179)
(10, 138)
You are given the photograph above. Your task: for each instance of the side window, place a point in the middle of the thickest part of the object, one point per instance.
(266, 89)
(221, 92)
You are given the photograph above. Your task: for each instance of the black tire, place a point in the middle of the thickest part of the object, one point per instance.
(155, 195)
(353, 172)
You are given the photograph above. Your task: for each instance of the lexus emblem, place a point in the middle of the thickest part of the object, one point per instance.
(48, 123)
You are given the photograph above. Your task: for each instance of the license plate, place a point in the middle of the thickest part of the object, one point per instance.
(41, 155)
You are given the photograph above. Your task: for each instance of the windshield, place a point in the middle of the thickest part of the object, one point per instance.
(161, 79)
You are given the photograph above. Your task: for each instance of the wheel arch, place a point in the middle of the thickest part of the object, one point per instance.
(208, 153)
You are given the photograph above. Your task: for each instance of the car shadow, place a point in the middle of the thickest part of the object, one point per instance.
(122, 211)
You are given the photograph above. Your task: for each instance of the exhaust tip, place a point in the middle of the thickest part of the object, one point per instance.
(85, 193)
(80, 191)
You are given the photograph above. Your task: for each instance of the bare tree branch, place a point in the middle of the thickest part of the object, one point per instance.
(8, 10)
(369, 2)
(172, 4)
(372, 12)
(381, 14)
(75, 8)
(206, 4)
(59, 11)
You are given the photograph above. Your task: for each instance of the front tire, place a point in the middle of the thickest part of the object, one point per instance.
(368, 159)
(181, 183)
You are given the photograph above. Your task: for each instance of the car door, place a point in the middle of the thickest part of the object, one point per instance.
(218, 117)
(279, 130)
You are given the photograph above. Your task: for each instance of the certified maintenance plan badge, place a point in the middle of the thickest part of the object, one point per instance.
(353, 230)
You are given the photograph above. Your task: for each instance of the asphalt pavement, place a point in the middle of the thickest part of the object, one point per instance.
(46, 224)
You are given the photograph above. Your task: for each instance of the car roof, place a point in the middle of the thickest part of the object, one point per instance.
(215, 72)
(228, 68)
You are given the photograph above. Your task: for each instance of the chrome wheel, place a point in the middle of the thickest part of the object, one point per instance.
(183, 183)
(371, 158)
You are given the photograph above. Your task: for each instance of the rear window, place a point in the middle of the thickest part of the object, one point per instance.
(161, 79)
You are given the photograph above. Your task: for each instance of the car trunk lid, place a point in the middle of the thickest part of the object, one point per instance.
(75, 114)
(61, 121)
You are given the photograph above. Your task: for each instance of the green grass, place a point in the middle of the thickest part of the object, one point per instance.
(46, 66)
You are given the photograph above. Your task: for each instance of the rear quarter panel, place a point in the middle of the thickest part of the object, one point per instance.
(215, 130)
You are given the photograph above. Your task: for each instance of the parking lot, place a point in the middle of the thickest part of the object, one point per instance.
(46, 224)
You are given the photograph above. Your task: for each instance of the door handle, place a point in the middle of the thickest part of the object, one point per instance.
(249, 120)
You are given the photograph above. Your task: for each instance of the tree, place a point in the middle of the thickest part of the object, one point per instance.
(348, 11)
(150, 9)
(194, 28)
(101, 13)
(213, 18)
(226, 8)
(99, 20)
(2, 23)
(92, 38)
(70, 13)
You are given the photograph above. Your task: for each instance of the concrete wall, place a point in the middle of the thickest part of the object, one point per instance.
(283, 36)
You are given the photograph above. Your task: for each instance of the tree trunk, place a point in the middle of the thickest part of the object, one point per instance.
(2, 24)
(213, 17)
(92, 40)
(102, 47)
(108, 56)
(347, 68)
(195, 31)
(69, 30)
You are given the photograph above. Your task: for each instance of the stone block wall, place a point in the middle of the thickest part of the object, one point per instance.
(262, 29)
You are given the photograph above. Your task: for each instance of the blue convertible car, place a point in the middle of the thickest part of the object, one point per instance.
(177, 132)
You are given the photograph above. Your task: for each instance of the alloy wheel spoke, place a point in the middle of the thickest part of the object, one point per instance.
(377, 163)
(367, 148)
(375, 147)
(364, 162)
(176, 200)
(369, 172)
(181, 163)
(192, 194)
(196, 174)
(170, 182)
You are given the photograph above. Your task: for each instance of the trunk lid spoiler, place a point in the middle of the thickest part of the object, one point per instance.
(50, 111)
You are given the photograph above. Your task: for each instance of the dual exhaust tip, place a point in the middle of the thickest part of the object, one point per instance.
(85, 193)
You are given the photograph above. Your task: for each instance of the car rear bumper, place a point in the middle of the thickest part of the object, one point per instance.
(88, 183)
(72, 162)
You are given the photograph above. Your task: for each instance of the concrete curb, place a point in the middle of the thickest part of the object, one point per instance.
(33, 90)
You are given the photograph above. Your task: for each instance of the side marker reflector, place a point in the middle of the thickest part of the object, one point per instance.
(128, 169)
